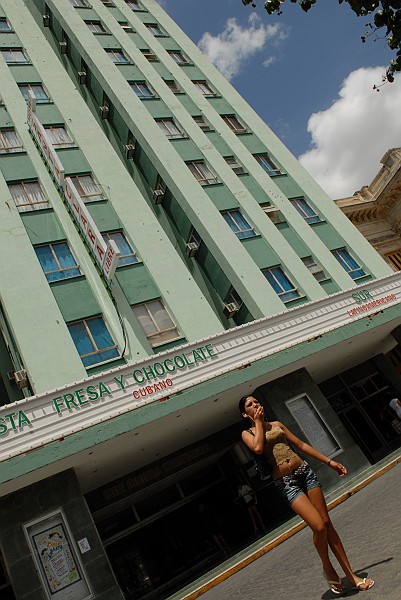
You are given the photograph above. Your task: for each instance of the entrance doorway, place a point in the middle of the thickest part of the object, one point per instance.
(360, 399)
(169, 536)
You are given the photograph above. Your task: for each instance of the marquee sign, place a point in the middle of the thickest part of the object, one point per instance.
(38, 420)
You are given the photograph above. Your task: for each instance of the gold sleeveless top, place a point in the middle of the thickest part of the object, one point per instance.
(276, 448)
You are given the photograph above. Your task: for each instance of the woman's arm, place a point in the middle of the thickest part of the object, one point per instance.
(312, 452)
(256, 442)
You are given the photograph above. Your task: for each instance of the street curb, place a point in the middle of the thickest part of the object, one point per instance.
(286, 535)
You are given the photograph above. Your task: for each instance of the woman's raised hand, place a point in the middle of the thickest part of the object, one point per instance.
(259, 414)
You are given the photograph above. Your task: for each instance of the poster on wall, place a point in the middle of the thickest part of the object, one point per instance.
(313, 426)
(56, 559)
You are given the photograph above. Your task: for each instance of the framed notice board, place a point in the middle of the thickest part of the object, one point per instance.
(57, 559)
(315, 429)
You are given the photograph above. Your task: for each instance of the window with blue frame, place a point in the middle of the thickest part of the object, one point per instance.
(279, 281)
(305, 210)
(93, 341)
(4, 25)
(118, 57)
(154, 29)
(14, 56)
(134, 5)
(57, 261)
(128, 256)
(348, 263)
(238, 224)
(267, 164)
(141, 89)
(36, 89)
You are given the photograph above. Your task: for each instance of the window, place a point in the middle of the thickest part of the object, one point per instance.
(57, 261)
(133, 4)
(141, 89)
(93, 340)
(238, 224)
(273, 213)
(128, 255)
(202, 173)
(234, 164)
(156, 322)
(95, 26)
(149, 55)
(154, 29)
(281, 284)
(204, 88)
(314, 268)
(28, 195)
(118, 57)
(107, 2)
(79, 3)
(233, 123)
(9, 141)
(87, 188)
(267, 164)
(4, 26)
(58, 136)
(170, 128)
(348, 263)
(394, 259)
(178, 57)
(234, 298)
(14, 56)
(126, 26)
(172, 85)
(305, 210)
(200, 120)
(37, 90)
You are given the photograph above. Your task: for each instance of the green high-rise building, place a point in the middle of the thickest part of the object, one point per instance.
(163, 254)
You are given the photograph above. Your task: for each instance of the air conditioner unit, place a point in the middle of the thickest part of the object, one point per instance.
(158, 196)
(230, 310)
(46, 20)
(129, 150)
(82, 77)
(21, 378)
(63, 47)
(191, 249)
(104, 112)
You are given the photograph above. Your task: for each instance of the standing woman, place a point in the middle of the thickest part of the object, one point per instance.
(300, 487)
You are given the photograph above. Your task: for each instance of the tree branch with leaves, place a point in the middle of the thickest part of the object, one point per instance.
(385, 18)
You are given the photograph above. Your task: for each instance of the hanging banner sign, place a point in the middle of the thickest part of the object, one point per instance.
(106, 255)
(48, 151)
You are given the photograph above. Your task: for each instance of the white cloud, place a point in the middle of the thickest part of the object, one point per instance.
(230, 49)
(351, 136)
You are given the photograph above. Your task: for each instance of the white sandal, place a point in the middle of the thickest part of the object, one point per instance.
(357, 586)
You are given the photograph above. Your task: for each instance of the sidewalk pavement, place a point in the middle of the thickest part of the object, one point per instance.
(366, 514)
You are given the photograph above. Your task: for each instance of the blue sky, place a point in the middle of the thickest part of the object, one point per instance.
(309, 77)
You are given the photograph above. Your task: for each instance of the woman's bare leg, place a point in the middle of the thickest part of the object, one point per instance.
(312, 517)
(317, 499)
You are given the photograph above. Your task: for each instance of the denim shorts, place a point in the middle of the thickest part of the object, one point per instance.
(296, 483)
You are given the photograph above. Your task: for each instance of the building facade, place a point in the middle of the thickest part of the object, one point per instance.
(163, 254)
(375, 209)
